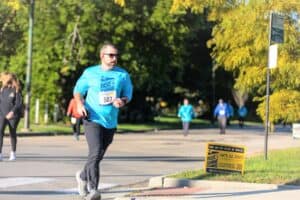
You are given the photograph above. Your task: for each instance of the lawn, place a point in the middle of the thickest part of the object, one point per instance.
(282, 167)
(161, 123)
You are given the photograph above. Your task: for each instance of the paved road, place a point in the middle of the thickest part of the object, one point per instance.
(45, 166)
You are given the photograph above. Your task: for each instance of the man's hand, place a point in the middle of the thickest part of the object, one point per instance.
(119, 103)
(81, 109)
(9, 115)
(79, 105)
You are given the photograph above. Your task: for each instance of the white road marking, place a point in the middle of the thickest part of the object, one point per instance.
(11, 182)
(100, 187)
(17, 181)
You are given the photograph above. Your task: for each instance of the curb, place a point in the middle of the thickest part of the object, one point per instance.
(32, 134)
(164, 182)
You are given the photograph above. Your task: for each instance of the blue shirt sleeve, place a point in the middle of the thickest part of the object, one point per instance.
(216, 111)
(81, 86)
(128, 88)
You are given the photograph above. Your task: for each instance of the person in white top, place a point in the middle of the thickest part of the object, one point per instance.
(222, 112)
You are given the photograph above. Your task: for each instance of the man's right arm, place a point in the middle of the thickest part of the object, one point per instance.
(81, 88)
(79, 105)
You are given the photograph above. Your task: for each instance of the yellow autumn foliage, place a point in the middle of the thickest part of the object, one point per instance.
(14, 4)
(284, 106)
(196, 6)
(240, 45)
(120, 2)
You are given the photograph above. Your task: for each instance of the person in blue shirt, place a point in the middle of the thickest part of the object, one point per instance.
(231, 112)
(242, 113)
(222, 112)
(99, 94)
(186, 114)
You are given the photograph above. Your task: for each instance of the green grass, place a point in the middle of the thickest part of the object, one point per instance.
(161, 123)
(282, 167)
(168, 122)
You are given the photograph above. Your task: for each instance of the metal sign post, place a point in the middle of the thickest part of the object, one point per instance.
(28, 68)
(275, 36)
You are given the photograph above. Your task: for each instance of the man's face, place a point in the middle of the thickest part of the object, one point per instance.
(109, 57)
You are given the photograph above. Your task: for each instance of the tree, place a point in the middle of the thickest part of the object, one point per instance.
(159, 48)
(240, 44)
(10, 32)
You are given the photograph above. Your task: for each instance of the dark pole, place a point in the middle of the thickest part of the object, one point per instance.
(28, 68)
(214, 87)
(213, 75)
(267, 125)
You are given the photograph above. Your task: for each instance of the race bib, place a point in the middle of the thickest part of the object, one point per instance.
(222, 112)
(107, 97)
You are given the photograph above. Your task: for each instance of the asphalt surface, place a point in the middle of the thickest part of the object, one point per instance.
(46, 165)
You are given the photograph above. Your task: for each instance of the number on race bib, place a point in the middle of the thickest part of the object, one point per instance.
(107, 97)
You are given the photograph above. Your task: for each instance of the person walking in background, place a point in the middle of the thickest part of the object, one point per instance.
(242, 113)
(107, 88)
(221, 112)
(75, 118)
(10, 110)
(186, 114)
(231, 112)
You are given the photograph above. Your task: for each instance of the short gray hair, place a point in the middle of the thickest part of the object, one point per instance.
(104, 46)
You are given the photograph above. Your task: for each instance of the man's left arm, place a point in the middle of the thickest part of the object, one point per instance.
(127, 89)
(126, 93)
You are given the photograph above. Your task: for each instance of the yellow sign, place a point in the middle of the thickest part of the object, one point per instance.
(224, 158)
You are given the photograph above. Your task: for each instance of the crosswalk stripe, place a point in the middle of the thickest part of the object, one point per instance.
(101, 186)
(11, 182)
(18, 181)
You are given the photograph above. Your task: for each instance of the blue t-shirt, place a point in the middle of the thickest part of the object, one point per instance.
(221, 110)
(242, 111)
(186, 113)
(100, 88)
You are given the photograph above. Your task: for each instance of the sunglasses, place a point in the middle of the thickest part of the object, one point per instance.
(111, 55)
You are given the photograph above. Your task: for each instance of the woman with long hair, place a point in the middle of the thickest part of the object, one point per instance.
(10, 110)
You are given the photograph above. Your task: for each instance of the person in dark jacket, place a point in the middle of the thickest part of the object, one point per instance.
(10, 110)
(75, 118)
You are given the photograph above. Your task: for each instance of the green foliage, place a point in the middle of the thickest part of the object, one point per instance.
(10, 34)
(67, 35)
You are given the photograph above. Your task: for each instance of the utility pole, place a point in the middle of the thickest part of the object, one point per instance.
(28, 68)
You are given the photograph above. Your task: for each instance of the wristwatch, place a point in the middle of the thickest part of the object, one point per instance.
(124, 99)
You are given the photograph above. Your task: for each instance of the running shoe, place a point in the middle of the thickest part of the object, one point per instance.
(93, 195)
(12, 156)
(82, 185)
